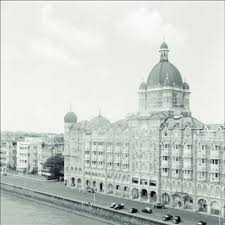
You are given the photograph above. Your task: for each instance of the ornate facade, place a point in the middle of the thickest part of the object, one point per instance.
(161, 154)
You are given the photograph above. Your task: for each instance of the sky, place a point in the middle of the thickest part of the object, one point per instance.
(94, 55)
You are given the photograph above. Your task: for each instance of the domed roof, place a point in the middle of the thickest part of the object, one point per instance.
(100, 122)
(164, 45)
(70, 117)
(163, 74)
(186, 85)
(143, 86)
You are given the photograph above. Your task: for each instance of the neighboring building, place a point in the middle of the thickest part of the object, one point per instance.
(50, 147)
(8, 152)
(27, 154)
(161, 154)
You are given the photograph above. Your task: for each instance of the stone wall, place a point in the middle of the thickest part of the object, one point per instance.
(119, 217)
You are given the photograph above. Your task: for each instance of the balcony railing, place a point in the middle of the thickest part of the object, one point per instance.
(165, 164)
(202, 168)
(187, 166)
(214, 155)
(187, 153)
(214, 168)
(201, 155)
(165, 153)
(175, 152)
(176, 165)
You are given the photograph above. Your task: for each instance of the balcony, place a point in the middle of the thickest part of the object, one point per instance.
(202, 155)
(175, 175)
(165, 174)
(117, 159)
(187, 176)
(165, 164)
(109, 159)
(201, 178)
(101, 158)
(175, 165)
(175, 152)
(187, 153)
(214, 155)
(87, 156)
(125, 160)
(187, 166)
(215, 180)
(201, 168)
(215, 168)
(165, 152)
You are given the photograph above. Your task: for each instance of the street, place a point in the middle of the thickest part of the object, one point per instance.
(58, 188)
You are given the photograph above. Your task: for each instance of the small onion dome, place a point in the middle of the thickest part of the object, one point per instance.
(100, 122)
(143, 86)
(186, 86)
(164, 45)
(70, 117)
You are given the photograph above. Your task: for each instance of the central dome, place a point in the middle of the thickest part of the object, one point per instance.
(164, 74)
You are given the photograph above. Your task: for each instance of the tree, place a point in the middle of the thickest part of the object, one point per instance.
(55, 165)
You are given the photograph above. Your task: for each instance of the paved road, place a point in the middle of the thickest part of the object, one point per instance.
(58, 188)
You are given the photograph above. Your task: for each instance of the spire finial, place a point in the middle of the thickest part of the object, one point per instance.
(70, 107)
(99, 111)
(163, 37)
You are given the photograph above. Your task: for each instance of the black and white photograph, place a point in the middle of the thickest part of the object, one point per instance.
(112, 113)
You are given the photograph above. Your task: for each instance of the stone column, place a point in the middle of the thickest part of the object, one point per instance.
(209, 209)
(139, 195)
(149, 197)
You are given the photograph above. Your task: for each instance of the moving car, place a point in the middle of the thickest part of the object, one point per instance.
(176, 219)
(133, 210)
(158, 205)
(201, 223)
(113, 205)
(119, 206)
(167, 217)
(147, 210)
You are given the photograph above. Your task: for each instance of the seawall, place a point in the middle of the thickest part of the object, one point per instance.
(119, 217)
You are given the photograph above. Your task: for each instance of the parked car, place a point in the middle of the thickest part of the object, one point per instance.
(159, 205)
(90, 190)
(147, 210)
(133, 210)
(119, 206)
(113, 205)
(201, 223)
(176, 219)
(51, 177)
(167, 217)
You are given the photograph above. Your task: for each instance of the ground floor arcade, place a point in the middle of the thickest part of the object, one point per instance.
(175, 200)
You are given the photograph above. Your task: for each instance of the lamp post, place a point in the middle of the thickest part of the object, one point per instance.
(94, 196)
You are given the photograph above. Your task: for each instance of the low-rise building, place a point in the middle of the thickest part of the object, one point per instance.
(50, 147)
(27, 155)
(8, 152)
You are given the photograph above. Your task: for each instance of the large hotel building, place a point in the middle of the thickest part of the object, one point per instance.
(161, 154)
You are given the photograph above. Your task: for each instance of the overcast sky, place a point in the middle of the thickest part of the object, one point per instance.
(95, 54)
